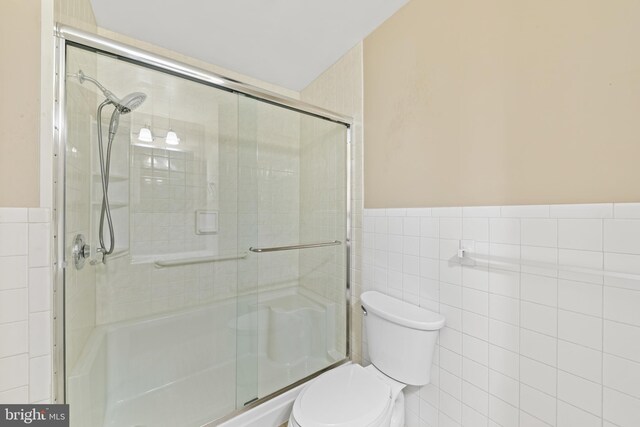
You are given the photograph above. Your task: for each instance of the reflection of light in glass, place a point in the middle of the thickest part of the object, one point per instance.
(74, 150)
(159, 181)
(145, 134)
(160, 163)
(172, 138)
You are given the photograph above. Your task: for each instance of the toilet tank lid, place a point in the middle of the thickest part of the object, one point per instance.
(400, 312)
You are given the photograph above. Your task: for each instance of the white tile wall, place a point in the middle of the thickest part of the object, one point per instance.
(25, 305)
(527, 343)
(254, 185)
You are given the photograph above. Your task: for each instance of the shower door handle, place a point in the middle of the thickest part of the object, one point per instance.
(292, 247)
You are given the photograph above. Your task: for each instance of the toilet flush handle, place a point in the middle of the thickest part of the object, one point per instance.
(364, 310)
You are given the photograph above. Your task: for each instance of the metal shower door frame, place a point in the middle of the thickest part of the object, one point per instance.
(64, 36)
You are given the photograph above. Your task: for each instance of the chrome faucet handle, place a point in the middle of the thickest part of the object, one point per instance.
(81, 251)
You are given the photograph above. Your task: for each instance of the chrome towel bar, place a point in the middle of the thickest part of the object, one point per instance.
(292, 247)
(465, 258)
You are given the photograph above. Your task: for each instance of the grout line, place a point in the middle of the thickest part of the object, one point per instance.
(519, 353)
(486, 417)
(539, 419)
(557, 317)
(444, 414)
(16, 355)
(580, 409)
(13, 322)
(489, 269)
(602, 333)
(16, 388)
(637, 362)
(461, 327)
(29, 319)
(439, 311)
(622, 392)
(507, 403)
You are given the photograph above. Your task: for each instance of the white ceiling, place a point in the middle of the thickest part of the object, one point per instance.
(286, 42)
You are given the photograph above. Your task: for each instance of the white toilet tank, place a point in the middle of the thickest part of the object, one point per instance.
(401, 337)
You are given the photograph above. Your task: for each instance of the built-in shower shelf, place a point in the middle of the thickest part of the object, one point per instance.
(112, 177)
(186, 258)
(114, 205)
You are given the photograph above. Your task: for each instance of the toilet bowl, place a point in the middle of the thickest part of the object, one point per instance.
(401, 339)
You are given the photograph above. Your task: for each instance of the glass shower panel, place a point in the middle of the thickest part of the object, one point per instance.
(324, 156)
(150, 334)
(293, 181)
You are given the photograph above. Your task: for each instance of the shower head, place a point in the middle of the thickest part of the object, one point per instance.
(130, 102)
(125, 105)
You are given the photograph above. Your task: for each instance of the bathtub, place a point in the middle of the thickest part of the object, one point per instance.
(191, 367)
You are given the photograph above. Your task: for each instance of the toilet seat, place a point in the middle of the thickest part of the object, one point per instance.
(348, 396)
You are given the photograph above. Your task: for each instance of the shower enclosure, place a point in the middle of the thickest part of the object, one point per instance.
(220, 277)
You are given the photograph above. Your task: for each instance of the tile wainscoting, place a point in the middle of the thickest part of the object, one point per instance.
(25, 305)
(535, 335)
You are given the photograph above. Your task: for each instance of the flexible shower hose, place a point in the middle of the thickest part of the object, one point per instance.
(105, 167)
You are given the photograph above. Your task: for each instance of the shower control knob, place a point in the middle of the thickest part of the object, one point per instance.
(81, 251)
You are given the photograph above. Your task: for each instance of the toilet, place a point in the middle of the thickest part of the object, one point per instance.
(401, 339)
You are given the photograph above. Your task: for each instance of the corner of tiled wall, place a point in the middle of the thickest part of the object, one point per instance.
(25, 305)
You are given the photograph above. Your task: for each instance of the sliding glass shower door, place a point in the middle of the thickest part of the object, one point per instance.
(292, 179)
(214, 273)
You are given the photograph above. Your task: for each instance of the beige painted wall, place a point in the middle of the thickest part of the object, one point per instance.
(500, 102)
(25, 60)
(19, 103)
